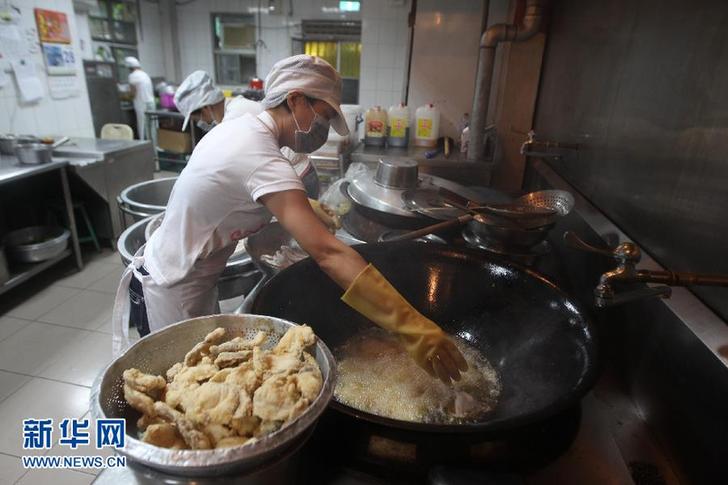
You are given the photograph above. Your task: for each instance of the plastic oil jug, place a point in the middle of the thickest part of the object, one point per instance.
(398, 126)
(427, 125)
(375, 126)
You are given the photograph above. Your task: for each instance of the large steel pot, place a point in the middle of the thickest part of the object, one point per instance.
(238, 278)
(36, 243)
(158, 351)
(33, 153)
(540, 342)
(146, 198)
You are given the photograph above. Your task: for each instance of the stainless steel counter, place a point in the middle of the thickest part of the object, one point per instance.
(456, 167)
(11, 169)
(96, 148)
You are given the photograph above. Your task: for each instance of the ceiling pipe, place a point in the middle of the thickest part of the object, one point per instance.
(492, 36)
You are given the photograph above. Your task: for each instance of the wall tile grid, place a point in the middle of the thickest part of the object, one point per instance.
(70, 116)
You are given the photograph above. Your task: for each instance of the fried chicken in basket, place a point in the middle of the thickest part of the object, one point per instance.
(226, 393)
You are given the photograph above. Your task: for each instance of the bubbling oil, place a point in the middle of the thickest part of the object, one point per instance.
(376, 375)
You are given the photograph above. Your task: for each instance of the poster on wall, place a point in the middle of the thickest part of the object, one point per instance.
(60, 59)
(52, 26)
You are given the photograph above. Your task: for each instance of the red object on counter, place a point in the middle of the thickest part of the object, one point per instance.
(256, 83)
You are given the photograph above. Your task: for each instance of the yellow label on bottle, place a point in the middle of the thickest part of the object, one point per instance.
(397, 127)
(424, 128)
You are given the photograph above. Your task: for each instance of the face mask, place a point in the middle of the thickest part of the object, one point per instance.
(205, 126)
(313, 139)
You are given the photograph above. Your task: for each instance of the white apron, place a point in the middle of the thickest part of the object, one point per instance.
(195, 296)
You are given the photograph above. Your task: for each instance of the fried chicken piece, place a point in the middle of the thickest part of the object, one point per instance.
(213, 403)
(195, 439)
(147, 420)
(246, 425)
(186, 381)
(295, 340)
(165, 435)
(232, 441)
(268, 427)
(139, 401)
(147, 383)
(217, 433)
(239, 343)
(309, 384)
(203, 348)
(174, 370)
(221, 375)
(267, 364)
(245, 377)
(279, 399)
(232, 359)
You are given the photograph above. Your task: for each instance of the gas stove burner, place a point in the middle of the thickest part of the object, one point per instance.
(527, 257)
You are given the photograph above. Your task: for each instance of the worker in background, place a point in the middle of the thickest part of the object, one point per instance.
(141, 88)
(235, 181)
(199, 100)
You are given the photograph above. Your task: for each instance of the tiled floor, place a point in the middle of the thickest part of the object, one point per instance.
(55, 337)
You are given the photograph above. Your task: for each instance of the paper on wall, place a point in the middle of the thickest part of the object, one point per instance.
(29, 84)
(62, 87)
(12, 46)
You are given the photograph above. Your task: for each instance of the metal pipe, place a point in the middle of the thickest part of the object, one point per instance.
(492, 36)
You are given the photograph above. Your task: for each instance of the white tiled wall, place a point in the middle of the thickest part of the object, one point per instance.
(384, 40)
(71, 116)
(385, 35)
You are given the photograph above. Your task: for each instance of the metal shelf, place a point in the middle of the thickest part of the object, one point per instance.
(28, 270)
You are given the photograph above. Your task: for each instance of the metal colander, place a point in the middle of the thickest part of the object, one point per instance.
(559, 200)
(157, 352)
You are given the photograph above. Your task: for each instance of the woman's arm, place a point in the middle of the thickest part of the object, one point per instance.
(336, 259)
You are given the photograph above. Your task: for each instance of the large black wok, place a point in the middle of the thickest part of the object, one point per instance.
(537, 338)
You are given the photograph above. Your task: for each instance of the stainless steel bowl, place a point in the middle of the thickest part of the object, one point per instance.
(33, 153)
(158, 351)
(146, 198)
(509, 237)
(559, 200)
(397, 174)
(36, 243)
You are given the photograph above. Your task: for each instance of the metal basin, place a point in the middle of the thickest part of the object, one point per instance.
(36, 243)
(238, 278)
(146, 198)
(159, 351)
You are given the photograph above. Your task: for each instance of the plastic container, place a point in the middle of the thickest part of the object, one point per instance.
(375, 126)
(427, 125)
(398, 120)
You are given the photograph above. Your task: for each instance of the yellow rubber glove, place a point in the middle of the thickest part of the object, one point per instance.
(374, 297)
(326, 215)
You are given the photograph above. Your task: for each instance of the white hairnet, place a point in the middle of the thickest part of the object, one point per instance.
(195, 92)
(312, 76)
(132, 61)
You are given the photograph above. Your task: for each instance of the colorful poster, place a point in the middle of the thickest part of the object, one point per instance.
(60, 59)
(52, 26)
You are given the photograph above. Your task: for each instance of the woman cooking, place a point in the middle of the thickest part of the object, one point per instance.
(235, 180)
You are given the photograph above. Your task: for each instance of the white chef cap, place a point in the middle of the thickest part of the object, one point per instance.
(312, 76)
(195, 92)
(132, 62)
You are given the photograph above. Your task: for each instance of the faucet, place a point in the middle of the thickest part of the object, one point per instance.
(628, 255)
(527, 148)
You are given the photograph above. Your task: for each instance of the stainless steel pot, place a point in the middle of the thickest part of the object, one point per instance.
(159, 351)
(36, 243)
(146, 198)
(9, 142)
(33, 153)
(397, 174)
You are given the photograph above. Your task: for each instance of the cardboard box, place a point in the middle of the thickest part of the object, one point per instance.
(174, 141)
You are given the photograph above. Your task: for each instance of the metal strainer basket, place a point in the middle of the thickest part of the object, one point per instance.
(159, 351)
(559, 200)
